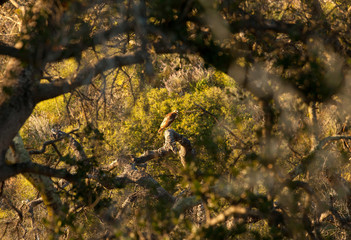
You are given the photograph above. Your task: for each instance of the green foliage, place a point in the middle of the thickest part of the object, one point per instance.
(250, 132)
(130, 127)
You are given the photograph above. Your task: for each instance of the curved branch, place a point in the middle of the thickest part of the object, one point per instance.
(84, 77)
(302, 167)
(324, 141)
(101, 175)
(185, 203)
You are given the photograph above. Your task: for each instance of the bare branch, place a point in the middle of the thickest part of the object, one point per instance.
(120, 162)
(221, 217)
(301, 168)
(314, 123)
(30, 167)
(7, 50)
(84, 77)
(324, 141)
(232, 210)
(171, 138)
(2, 188)
(145, 180)
(43, 149)
(14, 3)
(75, 49)
(185, 203)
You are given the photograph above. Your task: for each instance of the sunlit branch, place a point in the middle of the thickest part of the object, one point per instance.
(237, 211)
(19, 212)
(14, 3)
(185, 203)
(171, 138)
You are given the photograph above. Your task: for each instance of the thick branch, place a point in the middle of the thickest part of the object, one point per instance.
(30, 167)
(23, 164)
(84, 77)
(258, 23)
(232, 210)
(130, 174)
(326, 140)
(7, 50)
(75, 49)
(145, 180)
(183, 204)
(171, 138)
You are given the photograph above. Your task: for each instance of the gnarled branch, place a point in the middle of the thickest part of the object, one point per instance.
(171, 138)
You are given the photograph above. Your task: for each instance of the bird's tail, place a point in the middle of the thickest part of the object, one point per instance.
(160, 130)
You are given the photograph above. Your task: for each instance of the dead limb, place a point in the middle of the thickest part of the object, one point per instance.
(170, 146)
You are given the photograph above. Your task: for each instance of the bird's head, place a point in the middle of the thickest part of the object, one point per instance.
(175, 111)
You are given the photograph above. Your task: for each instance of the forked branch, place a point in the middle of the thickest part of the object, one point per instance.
(170, 146)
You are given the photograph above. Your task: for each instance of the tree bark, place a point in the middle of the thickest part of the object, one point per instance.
(18, 154)
(186, 151)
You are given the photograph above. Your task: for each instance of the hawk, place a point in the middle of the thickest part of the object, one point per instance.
(169, 118)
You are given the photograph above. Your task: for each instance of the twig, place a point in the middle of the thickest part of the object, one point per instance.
(51, 142)
(344, 221)
(216, 119)
(294, 151)
(314, 123)
(3, 234)
(43, 149)
(301, 168)
(14, 3)
(19, 213)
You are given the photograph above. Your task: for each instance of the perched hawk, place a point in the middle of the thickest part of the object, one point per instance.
(169, 118)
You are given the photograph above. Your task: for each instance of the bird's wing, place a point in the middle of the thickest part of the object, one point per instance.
(165, 123)
(169, 118)
(173, 116)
